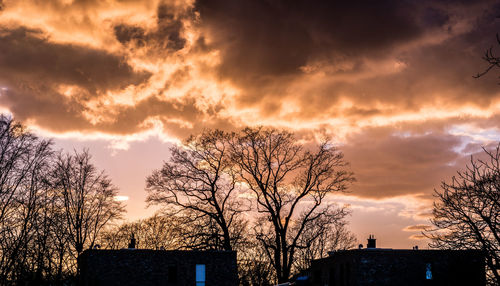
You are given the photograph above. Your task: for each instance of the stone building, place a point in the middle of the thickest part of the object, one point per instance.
(158, 267)
(376, 266)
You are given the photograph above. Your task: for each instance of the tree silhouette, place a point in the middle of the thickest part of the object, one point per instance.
(209, 179)
(51, 206)
(467, 212)
(289, 184)
(326, 234)
(24, 164)
(160, 231)
(198, 181)
(87, 197)
(491, 58)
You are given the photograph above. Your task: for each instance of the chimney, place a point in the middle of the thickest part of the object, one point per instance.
(372, 242)
(132, 241)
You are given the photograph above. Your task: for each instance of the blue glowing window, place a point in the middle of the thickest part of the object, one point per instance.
(200, 274)
(428, 272)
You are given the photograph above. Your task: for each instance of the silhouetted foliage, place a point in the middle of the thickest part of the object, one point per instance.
(467, 212)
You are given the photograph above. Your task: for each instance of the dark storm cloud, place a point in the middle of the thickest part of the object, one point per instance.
(58, 113)
(180, 118)
(265, 46)
(170, 25)
(389, 164)
(45, 106)
(33, 69)
(260, 38)
(25, 55)
(125, 34)
(436, 75)
(166, 36)
(352, 63)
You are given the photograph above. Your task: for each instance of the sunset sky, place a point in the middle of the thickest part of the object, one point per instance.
(389, 81)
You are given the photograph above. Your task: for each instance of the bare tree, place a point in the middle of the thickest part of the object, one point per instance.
(198, 180)
(467, 211)
(118, 236)
(49, 207)
(59, 250)
(290, 184)
(492, 60)
(327, 234)
(160, 231)
(87, 198)
(254, 268)
(24, 161)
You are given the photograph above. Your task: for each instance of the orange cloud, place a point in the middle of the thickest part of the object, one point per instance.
(417, 237)
(327, 66)
(418, 227)
(389, 81)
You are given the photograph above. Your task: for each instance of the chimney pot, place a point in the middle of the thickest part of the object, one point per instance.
(132, 241)
(372, 242)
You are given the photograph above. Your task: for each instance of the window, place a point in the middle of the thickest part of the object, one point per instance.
(342, 274)
(331, 279)
(200, 274)
(317, 275)
(347, 274)
(428, 272)
(172, 273)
